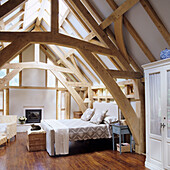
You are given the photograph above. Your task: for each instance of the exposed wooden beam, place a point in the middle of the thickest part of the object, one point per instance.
(100, 33)
(68, 64)
(94, 77)
(73, 28)
(13, 50)
(156, 20)
(15, 25)
(125, 74)
(54, 16)
(64, 17)
(114, 89)
(92, 10)
(140, 111)
(37, 65)
(18, 14)
(41, 12)
(118, 12)
(134, 34)
(9, 7)
(78, 84)
(51, 56)
(77, 16)
(72, 91)
(59, 39)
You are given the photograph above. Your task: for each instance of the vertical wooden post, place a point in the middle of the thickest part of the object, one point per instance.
(90, 96)
(54, 16)
(20, 73)
(140, 112)
(67, 100)
(46, 78)
(7, 101)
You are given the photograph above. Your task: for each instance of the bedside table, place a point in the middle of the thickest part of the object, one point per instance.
(121, 130)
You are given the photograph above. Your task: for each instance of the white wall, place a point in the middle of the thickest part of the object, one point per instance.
(32, 77)
(20, 98)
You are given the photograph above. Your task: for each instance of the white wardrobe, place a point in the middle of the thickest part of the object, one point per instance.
(157, 103)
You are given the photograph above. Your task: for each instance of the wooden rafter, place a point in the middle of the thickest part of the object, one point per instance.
(9, 7)
(77, 16)
(37, 65)
(59, 39)
(119, 35)
(18, 14)
(133, 32)
(100, 33)
(72, 91)
(87, 69)
(156, 20)
(118, 12)
(125, 74)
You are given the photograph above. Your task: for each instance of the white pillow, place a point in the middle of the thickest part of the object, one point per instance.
(87, 114)
(110, 119)
(98, 116)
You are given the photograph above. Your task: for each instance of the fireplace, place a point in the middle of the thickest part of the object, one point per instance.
(33, 115)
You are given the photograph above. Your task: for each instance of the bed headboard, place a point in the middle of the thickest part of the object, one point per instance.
(112, 108)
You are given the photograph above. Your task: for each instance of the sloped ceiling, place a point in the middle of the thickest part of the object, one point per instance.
(37, 13)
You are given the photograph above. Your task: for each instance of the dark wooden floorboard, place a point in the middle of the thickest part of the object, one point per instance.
(91, 155)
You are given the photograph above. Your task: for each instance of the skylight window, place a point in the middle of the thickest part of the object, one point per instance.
(62, 9)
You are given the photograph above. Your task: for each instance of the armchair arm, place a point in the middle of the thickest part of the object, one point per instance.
(11, 130)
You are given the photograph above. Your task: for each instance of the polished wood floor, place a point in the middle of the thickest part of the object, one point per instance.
(91, 155)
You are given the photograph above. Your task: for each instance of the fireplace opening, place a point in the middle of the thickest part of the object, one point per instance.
(33, 115)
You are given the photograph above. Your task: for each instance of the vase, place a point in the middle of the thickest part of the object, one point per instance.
(22, 121)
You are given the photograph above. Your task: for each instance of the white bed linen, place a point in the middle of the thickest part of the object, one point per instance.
(61, 136)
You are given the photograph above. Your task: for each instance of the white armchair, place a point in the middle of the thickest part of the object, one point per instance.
(8, 125)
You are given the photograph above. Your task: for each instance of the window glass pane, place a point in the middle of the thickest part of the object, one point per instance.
(168, 103)
(15, 60)
(155, 103)
(2, 73)
(14, 81)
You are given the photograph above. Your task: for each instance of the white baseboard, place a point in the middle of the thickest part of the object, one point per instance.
(152, 166)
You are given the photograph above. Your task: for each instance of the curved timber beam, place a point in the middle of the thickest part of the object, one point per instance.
(118, 29)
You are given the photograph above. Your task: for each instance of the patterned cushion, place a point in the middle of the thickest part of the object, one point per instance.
(98, 116)
(87, 114)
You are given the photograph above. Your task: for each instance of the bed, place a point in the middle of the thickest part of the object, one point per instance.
(60, 132)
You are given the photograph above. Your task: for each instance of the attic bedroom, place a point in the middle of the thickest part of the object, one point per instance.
(84, 84)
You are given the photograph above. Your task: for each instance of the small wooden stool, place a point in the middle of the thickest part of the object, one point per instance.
(36, 140)
(3, 139)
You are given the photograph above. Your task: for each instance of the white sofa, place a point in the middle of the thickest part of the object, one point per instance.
(8, 126)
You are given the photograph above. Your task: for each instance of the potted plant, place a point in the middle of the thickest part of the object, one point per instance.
(22, 119)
